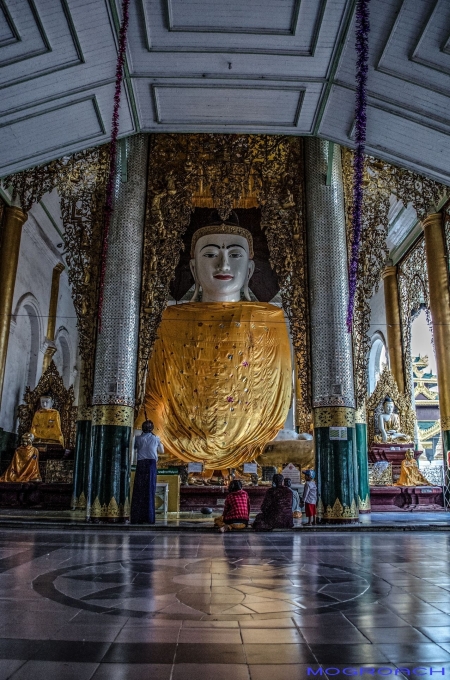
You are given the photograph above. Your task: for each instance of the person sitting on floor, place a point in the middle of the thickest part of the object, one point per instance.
(236, 511)
(296, 510)
(276, 508)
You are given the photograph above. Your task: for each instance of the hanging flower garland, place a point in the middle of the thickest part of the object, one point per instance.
(362, 52)
(109, 201)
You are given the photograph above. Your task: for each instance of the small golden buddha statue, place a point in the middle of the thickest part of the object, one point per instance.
(410, 474)
(24, 466)
(389, 425)
(46, 425)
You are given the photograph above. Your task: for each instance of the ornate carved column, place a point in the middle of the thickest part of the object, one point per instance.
(13, 220)
(440, 314)
(331, 344)
(393, 323)
(51, 322)
(116, 352)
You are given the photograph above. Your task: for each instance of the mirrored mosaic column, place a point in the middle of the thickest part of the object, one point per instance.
(331, 344)
(116, 353)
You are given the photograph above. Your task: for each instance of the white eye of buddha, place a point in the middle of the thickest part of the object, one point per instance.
(236, 254)
(210, 254)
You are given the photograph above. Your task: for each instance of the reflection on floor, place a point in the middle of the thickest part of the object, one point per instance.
(171, 606)
(375, 521)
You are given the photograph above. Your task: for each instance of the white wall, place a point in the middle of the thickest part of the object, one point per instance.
(27, 342)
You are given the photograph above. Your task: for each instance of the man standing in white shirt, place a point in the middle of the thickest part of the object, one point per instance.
(147, 445)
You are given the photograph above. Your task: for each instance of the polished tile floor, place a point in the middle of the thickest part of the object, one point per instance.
(15, 517)
(171, 606)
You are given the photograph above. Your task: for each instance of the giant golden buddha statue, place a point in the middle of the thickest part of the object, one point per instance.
(219, 379)
(46, 425)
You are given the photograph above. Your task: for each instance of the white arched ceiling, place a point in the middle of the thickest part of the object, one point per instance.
(261, 66)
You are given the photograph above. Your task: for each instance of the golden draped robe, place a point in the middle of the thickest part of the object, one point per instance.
(24, 466)
(410, 475)
(46, 426)
(219, 381)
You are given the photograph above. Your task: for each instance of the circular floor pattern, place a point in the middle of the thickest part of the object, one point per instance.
(208, 587)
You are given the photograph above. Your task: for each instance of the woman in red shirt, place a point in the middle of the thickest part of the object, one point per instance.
(236, 511)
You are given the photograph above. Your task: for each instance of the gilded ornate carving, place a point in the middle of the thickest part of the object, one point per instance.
(446, 218)
(80, 180)
(50, 383)
(227, 168)
(364, 504)
(334, 416)
(84, 413)
(414, 297)
(381, 180)
(113, 510)
(387, 387)
(360, 414)
(380, 474)
(339, 511)
(112, 415)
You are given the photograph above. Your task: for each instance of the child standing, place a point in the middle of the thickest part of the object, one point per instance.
(310, 496)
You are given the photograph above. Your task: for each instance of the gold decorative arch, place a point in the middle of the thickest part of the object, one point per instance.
(387, 387)
(51, 383)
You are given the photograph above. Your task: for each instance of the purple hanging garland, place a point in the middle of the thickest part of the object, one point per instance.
(362, 52)
(109, 202)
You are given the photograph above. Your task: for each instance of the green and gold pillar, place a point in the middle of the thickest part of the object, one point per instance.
(117, 343)
(331, 344)
(362, 460)
(440, 315)
(393, 326)
(82, 448)
(13, 220)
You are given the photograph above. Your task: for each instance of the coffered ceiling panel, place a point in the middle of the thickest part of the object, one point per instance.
(37, 50)
(269, 107)
(259, 26)
(408, 86)
(259, 66)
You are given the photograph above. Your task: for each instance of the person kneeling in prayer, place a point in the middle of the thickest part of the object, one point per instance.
(296, 509)
(236, 511)
(276, 508)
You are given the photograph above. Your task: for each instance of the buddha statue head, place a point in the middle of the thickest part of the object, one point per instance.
(388, 406)
(27, 439)
(46, 402)
(222, 261)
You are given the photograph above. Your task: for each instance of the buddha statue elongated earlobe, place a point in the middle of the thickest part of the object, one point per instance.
(197, 284)
(251, 269)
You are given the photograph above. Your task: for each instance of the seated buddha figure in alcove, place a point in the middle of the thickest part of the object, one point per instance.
(389, 424)
(46, 425)
(219, 379)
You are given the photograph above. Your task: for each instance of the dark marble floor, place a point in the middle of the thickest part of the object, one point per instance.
(19, 517)
(110, 605)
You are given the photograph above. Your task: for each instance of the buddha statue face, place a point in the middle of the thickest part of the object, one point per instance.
(27, 439)
(222, 267)
(388, 407)
(46, 402)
